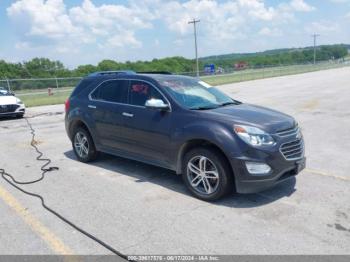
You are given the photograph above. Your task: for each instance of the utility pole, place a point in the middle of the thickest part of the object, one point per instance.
(315, 38)
(194, 22)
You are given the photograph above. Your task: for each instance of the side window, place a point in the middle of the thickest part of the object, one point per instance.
(112, 91)
(140, 92)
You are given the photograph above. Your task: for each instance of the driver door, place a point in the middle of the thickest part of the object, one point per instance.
(147, 130)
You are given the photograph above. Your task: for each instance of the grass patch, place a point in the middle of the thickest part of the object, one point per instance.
(43, 98)
(253, 74)
(41, 90)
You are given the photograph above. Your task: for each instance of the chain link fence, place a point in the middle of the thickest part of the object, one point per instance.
(46, 91)
(275, 70)
(33, 84)
(41, 91)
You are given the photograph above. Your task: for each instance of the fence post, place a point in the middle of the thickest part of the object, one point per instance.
(56, 82)
(264, 71)
(8, 85)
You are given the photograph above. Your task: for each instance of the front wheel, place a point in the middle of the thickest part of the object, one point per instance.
(83, 145)
(207, 174)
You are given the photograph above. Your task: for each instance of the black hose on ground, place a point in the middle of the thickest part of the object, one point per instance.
(45, 168)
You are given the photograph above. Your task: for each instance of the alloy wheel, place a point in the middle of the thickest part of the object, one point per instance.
(81, 145)
(203, 175)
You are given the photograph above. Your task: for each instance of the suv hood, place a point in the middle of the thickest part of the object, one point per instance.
(8, 100)
(266, 119)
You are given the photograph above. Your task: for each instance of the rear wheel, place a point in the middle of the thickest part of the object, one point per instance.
(83, 145)
(207, 174)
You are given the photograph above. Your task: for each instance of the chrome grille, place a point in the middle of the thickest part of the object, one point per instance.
(293, 150)
(8, 108)
(288, 132)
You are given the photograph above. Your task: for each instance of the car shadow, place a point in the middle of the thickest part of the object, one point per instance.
(168, 179)
(8, 118)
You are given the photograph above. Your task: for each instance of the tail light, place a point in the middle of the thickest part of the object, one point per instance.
(67, 105)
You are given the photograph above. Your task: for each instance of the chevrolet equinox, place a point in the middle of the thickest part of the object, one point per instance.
(218, 144)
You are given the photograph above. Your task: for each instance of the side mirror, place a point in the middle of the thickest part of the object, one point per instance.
(156, 104)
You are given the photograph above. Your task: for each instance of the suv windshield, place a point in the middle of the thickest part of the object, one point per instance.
(193, 93)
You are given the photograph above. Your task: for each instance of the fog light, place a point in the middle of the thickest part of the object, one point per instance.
(256, 168)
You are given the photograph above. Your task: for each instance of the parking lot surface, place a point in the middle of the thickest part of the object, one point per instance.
(141, 209)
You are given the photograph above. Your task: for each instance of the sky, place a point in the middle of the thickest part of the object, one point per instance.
(87, 31)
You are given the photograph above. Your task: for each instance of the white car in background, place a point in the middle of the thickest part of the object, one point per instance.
(10, 105)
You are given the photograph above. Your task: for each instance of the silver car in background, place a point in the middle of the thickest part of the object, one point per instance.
(10, 105)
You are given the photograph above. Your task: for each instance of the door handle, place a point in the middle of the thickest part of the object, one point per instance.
(91, 106)
(127, 114)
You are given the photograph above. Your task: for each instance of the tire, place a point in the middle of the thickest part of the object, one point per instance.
(216, 165)
(83, 145)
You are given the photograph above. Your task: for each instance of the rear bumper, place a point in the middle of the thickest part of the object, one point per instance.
(281, 170)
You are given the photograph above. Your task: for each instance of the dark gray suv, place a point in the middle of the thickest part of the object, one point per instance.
(181, 123)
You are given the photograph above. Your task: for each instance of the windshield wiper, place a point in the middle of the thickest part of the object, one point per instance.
(203, 107)
(230, 103)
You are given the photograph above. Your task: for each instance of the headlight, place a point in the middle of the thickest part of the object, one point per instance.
(19, 101)
(253, 135)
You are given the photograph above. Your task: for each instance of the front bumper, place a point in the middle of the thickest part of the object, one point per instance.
(247, 183)
(12, 110)
(281, 168)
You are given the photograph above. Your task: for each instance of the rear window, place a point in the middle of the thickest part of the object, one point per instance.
(81, 86)
(112, 91)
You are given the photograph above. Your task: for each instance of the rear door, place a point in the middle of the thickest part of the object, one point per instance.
(147, 130)
(106, 105)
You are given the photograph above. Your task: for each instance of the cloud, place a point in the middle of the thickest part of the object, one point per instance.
(22, 45)
(109, 17)
(340, 1)
(125, 38)
(50, 20)
(87, 22)
(222, 21)
(257, 9)
(116, 29)
(156, 42)
(325, 26)
(266, 31)
(178, 42)
(301, 6)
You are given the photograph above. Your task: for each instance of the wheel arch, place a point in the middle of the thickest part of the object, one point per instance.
(76, 124)
(194, 143)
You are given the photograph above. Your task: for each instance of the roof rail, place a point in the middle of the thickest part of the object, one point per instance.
(103, 73)
(155, 72)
